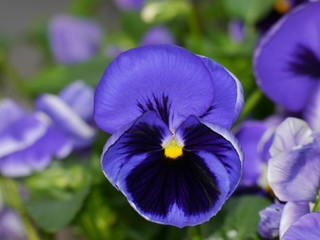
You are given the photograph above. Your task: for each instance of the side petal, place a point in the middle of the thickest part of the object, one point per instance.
(294, 176)
(218, 141)
(164, 78)
(150, 131)
(270, 220)
(290, 134)
(292, 212)
(281, 64)
(228, 100)
(79, 97)
(21, 134)
(307, 227)
(66, 119)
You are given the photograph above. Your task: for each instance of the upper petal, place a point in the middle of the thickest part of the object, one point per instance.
(79, 132)
(287, 60)
(165, 78)
(228, 100)
(79, 97)
(307, 227)
(290, 134)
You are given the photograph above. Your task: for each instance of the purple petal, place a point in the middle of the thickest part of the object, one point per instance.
(211, 138)
(228, 101)
(163, 189)
(292, 211)
(9, 112)
(249, 135)
(74, 39)
(312, 111)
(79, 97)
(288, 58)
(37, 156)
(270, 221)
(294, 175)
(165, 78)
(11, 226)
(236, 30)
(66, 119)
(157, 35)
(307, 227)
(129, 4)
(21, 134)
(290, 134)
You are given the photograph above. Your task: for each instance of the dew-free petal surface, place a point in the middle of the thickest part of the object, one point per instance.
(288, 57)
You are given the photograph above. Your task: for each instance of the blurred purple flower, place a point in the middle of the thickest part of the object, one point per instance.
(255, 138)
(11, 227)
(22, 137)
(71, 112)
(157, 35)
(73, 39)
(129, 4)
(270, 221)
(29, 141)
(294, 169)
(307, 227)
(113, 51)
(236, 30)
(288, 58)
(170, 112)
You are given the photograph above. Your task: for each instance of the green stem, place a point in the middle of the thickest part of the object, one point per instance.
(196, 233)
(316, 207)
(11, 194)
(251, 103)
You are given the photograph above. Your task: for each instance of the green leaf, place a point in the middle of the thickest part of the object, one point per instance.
(56, 195)
(54, 78)
(238, 219)
(250, 11)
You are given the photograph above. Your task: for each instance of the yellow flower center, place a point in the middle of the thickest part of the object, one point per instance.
(173, 150)
(282, 6)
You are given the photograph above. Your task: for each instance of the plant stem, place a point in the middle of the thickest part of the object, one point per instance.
(12, 197)
(196, 233)
(251, 103)
(316, 207)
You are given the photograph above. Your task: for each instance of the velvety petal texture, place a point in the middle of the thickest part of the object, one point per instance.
(312, 111)
(169, 80)
(73, 39)
(288, 57)
(307, 227)
(293, 172)
(181, 190)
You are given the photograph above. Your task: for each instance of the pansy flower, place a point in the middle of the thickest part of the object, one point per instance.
(74, 40)
(171, 153)
(288, 57)
(294, 169)
(22, 137)
(61, 123)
